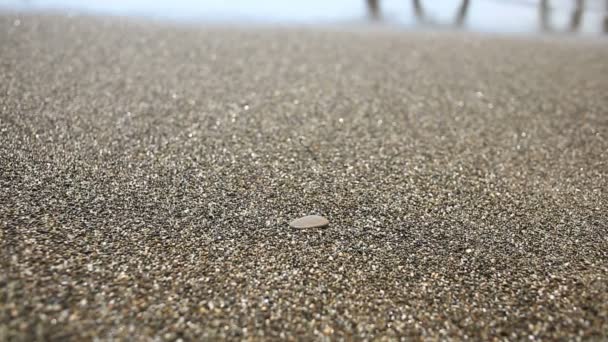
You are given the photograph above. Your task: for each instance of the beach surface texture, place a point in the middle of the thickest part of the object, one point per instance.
(149, 172)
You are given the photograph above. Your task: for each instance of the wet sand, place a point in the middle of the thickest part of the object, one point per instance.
(149, 172)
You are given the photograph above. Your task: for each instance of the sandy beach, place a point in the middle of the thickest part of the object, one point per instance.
(148, 173)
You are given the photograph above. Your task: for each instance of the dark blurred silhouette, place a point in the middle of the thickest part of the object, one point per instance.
(575, 19)
(545, 11)
(374, 9)
(606, 18)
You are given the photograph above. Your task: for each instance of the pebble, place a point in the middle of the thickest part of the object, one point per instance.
(310, 221)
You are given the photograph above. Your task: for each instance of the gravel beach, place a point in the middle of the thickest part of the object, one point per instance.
(149, 172)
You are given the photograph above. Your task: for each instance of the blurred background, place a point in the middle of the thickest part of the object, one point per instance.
(565, 17)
